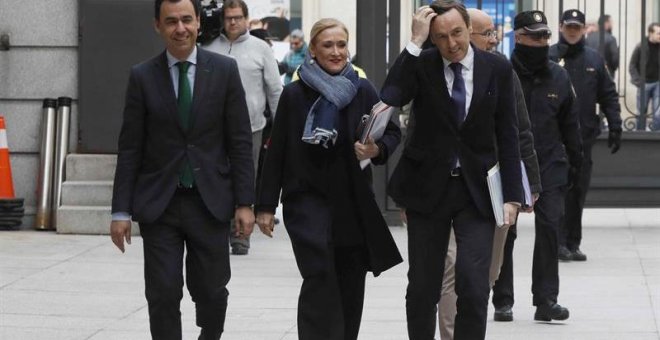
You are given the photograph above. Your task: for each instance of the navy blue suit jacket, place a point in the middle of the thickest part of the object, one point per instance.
(489, 133)
(153, 144)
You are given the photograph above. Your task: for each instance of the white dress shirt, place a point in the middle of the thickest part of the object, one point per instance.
(468, 76)
(467, 71)
(174, 70)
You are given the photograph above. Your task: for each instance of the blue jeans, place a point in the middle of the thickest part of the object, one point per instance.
(651, 91)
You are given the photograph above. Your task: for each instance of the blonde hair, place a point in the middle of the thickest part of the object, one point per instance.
(323, 25)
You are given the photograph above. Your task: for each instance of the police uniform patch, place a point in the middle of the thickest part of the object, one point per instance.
(538, 17)
(574, 14)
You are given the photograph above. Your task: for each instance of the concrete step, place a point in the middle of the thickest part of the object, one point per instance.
(87, 193)
(93, 220)
(90, 167)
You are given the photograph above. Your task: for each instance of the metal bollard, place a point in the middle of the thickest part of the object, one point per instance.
(61, 150)
(45, 180)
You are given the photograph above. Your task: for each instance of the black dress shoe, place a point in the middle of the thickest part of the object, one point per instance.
(577, 255)
(209, 335)
(503, 313)
(551, 312)
(564, 254)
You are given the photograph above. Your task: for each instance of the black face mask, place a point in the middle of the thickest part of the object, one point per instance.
(532, 58)
(568, 50)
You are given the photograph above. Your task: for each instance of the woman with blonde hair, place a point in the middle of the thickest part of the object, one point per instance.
(335, 226)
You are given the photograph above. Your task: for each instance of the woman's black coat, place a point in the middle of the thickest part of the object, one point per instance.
(297, 168)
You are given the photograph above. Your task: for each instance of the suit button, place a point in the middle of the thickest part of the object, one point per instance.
(190, 146)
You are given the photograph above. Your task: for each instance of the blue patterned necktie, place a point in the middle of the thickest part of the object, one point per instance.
(184, 104)
(458, 93)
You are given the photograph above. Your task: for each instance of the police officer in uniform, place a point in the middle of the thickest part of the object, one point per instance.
(593, 85)
(549, 98)
(610, 50)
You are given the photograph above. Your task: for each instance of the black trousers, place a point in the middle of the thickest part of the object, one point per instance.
(548, 212)
(330, 304)
(503, 288)
(428, 237)
(186, 223)
(571, 231)
(332, 294)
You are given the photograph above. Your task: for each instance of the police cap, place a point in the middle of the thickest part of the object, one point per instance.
(572, 17)
(532, 21)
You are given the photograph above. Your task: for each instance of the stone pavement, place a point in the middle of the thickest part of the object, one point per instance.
(80, 287)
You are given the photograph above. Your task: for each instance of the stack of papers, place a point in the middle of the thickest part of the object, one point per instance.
(494, 180)
(376, 122)
(374, 125)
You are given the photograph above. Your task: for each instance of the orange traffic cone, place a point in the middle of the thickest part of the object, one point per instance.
(6, 184)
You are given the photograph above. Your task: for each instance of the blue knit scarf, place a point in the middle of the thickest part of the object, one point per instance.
(336, 93)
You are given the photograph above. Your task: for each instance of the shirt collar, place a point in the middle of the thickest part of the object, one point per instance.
(192, 58)
(467, 61)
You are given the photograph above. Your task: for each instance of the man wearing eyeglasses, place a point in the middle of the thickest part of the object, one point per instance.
(550, 100)
(593, 85)
(484, 35)
(259, 75)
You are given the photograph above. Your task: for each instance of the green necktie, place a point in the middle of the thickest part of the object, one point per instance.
(183, 104)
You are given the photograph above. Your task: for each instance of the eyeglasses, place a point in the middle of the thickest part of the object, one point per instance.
(490, 34)
(235, 18)
(538, 36)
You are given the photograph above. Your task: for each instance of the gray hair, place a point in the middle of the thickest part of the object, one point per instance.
(298, 33)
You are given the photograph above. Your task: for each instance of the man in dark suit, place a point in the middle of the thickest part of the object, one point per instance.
(184, 168)
(465, 123)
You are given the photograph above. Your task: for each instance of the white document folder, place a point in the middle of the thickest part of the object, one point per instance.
(375, 125)
(494, 181)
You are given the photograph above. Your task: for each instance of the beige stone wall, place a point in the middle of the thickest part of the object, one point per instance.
(42, 62)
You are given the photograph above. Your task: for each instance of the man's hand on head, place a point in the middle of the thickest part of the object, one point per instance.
(421, 25)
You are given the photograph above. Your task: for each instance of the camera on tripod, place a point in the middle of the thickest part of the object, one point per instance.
(211, 18)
